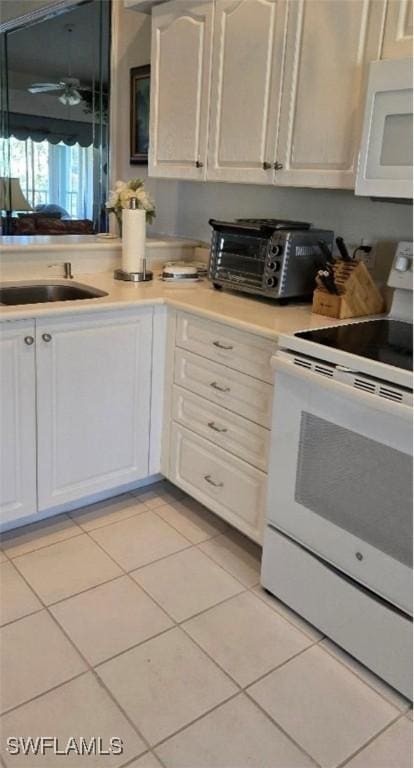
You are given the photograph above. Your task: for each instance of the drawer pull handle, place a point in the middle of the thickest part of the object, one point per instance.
(223, 346)
(212, 425)
(208, 479)
(217, 386)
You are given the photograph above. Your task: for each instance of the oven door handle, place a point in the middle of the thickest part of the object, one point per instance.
(285, 365)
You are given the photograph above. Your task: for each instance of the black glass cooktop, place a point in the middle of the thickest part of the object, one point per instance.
(386, 341)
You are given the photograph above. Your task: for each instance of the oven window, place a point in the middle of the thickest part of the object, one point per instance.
(356, 483)
(241, 253)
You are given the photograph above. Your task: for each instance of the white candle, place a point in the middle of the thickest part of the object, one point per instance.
(133, 239)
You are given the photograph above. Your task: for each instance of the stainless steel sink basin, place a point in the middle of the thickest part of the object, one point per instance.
(39, 293)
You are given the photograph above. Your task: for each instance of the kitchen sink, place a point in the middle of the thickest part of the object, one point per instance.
(39, 293)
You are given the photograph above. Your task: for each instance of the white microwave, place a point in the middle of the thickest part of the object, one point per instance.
(385, 163)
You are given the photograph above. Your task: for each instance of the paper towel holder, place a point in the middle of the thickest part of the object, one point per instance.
(134, 277)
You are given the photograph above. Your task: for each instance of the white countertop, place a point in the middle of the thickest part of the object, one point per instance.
(248, 313)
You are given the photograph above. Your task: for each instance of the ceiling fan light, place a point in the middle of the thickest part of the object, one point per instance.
(70, 98)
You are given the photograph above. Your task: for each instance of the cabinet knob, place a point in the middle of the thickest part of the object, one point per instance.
(212, 425)
(220, 345)
(199, 164)
(46, 337)
(220, 388)
(266, 166)
(278, 166)
(209, 480)
(29, 340)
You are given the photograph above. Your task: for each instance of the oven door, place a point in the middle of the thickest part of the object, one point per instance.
(340, 477)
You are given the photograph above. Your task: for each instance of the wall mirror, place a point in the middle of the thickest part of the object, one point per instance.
(54, 122)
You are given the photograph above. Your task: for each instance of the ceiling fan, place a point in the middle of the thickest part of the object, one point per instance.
(70, 87)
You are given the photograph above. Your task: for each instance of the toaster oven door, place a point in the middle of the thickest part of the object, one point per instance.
(238, 259)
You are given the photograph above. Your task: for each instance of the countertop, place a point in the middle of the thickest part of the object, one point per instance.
(258, 316)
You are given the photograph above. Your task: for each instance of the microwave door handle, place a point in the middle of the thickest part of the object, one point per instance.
(284, 365)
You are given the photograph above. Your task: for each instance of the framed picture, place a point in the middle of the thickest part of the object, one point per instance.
(140, 102)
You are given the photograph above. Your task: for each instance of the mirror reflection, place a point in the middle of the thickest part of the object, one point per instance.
(54, 137)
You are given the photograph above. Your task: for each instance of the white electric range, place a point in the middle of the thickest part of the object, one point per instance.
(338, 541)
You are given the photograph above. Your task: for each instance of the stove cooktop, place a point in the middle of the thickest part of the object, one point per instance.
(385, 340)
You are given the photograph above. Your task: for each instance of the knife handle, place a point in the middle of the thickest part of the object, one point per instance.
(326, 251)
(343, 250)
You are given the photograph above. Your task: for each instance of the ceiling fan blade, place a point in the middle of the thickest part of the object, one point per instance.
(45, 87)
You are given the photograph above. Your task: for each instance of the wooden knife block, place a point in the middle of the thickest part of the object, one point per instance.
(358, 294)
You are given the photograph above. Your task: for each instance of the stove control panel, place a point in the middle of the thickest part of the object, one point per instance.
(401, 274)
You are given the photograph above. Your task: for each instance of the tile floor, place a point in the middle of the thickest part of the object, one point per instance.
(142, 618)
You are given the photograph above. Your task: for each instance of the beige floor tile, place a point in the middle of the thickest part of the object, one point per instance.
(392, 749)
(16, 598)
(187, 583)
(395, 698)
(287, 613)
(236, 735)
(159, 493)
(237, 555)
(80, 708)
(3, 558)
(246, 637)
(139, 540)
(36, 535)
(110, 618)
(165, 683)
(323, 706)
(66, 568)
(146, 761)
(193, 520)
(35, 656)
(107, 511)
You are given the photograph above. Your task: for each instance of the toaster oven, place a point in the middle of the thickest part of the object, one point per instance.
(268, 257)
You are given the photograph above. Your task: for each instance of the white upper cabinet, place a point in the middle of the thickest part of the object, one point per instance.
(94, 395)
(180, 85)
(398, 33)
(329, 46)
(18, 421)
(246, 89)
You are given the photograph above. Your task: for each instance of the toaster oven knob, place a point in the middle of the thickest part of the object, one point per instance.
(274, 266)
(276, 250)
(271, 282)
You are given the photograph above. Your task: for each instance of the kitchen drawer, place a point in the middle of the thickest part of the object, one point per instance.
(242, 351)
(367, 627)
(233, 390)
(228, 486)
(240, 436)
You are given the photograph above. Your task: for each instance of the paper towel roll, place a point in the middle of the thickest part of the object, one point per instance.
(133, 239)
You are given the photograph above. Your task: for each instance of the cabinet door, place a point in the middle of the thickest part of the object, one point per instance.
(398, 31)
(246, 88)
(329, 46)
(18, 421)
(93, 380)
(180, 85)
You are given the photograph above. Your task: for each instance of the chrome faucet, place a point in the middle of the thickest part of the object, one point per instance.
(67, 269)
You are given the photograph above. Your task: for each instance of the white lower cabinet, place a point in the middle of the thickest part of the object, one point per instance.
(94, 394)
(218, 418)
(228, 430)
(17, 420)
(228, 486)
